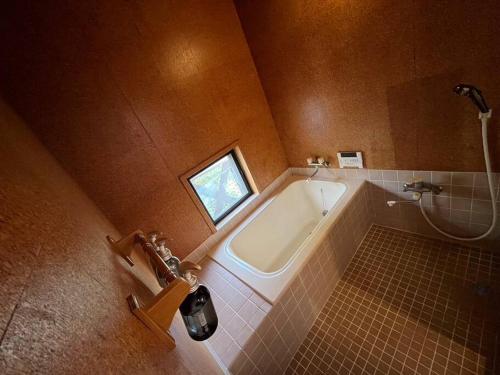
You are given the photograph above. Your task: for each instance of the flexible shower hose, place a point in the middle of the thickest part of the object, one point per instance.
(484, 117)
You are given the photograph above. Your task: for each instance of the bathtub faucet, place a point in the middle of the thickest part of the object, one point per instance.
(316, 162)
(314, 174)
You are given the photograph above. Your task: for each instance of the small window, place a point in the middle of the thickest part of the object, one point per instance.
(221, 186)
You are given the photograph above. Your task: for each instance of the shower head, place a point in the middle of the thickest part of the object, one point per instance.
(474, 94)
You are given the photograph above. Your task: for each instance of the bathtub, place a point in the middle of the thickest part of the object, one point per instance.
(270, 246)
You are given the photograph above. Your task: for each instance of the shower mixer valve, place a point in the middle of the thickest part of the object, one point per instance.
(422, 187)
(418, 188)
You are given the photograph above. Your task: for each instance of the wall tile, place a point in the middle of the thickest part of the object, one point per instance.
(441, 178)
(445, 192)
(391, 186)
(221, 341)
(405, 176)
(480, 218)
(231, 354)
(351, 173)
(462, 178)
(375, 174)
(255, 342)
(363, 174)
(243, 334)
(460, 216)
(426, 200)
(461, 191)
(463, 199)
(389, 175)
(483, 193)
(477, 229)
(484, 207)
(257, 318)
(440, 213)
(422, 175)
(459, 228)
(440, 201)
(461, 203)
(481, 179)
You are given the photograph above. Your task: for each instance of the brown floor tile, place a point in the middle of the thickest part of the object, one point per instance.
(409, 304)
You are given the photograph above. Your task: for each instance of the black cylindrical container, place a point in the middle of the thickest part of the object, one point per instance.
(197, 309)
(198, 313)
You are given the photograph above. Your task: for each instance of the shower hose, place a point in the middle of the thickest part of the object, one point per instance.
(484, 117)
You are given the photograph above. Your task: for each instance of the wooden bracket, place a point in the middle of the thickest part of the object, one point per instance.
(125, 245)
(158, 314)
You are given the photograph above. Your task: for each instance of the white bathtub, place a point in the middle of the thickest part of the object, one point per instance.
(268, 248)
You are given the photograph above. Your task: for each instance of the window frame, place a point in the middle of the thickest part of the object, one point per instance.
(240, 201)
(233, 150)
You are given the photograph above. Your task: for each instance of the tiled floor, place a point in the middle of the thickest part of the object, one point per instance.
(408, 304)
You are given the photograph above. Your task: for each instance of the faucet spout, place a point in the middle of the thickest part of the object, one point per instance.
(316, 169)
(317, 163)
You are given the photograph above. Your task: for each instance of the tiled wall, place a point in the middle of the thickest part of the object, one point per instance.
(463, 208)
(256, 337)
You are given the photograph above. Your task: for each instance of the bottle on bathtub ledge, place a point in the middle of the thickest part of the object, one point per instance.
(197, 310)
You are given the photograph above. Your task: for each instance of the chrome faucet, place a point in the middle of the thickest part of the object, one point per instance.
(316, 163)
(422, 187)
(316, 170)
(418, 188)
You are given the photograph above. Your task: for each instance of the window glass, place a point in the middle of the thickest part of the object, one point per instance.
(221, 186)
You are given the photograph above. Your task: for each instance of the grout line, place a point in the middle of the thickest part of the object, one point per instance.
(399, 308)
(412, 261)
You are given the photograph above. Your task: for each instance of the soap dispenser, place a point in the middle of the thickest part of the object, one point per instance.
(197, 310)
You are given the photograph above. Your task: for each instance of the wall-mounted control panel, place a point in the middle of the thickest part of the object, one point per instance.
(350, 159)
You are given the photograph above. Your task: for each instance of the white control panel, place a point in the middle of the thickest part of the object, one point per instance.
(350, 159)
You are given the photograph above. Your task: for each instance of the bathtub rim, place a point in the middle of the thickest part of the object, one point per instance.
(264, 285)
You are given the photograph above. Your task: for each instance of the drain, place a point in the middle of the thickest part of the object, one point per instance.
(481, 290)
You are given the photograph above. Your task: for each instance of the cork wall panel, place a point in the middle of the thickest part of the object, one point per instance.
(377, 76)
(63, 290)
(130, 95)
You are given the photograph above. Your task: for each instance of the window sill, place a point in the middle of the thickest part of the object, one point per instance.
(238, 210)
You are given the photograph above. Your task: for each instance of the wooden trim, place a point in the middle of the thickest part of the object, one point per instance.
(158, 314)
(184, 178)
(246, 170)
